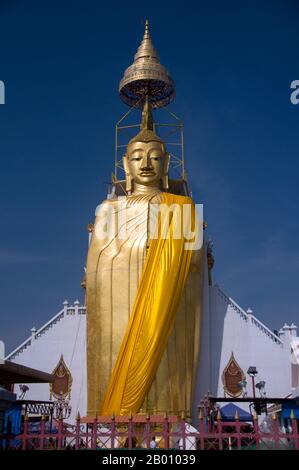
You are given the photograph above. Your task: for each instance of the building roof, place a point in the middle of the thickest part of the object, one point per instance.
(289, 407)
(228, 413)
(15, 373)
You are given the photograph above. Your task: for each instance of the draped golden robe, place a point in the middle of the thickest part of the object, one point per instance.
(114, 269)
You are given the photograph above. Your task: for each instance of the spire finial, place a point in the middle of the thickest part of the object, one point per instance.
(146, 48)
(146, 32)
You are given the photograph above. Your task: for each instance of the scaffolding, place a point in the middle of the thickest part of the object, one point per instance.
(171, 132)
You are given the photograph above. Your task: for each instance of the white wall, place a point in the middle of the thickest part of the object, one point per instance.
(64, 336)
(233, 330)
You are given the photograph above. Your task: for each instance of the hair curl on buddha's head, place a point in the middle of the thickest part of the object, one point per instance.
(146, 133)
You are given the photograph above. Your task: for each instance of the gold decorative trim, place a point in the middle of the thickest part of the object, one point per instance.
(63, 380)
(231, 377)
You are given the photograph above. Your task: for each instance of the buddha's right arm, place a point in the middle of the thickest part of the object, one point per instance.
(99, 239)
(102, 222)
(105, 225)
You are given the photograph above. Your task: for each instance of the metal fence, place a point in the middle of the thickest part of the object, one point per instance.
(145, 432)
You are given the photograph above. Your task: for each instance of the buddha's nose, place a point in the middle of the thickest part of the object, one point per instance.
(146, 163)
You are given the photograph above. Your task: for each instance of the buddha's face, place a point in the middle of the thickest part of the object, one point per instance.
(145, 161)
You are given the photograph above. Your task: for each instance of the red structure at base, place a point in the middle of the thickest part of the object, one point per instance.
(169, 432)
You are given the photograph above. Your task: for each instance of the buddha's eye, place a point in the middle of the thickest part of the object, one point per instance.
(136, 158)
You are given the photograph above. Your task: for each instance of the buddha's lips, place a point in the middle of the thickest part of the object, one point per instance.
(147, 173)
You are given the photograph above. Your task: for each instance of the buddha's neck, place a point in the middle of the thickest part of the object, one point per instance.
(141, 189)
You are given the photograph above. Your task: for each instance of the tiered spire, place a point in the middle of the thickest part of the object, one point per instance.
(147, 77)
(146, 50)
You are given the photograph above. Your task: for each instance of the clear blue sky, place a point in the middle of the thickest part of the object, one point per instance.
(232, 62)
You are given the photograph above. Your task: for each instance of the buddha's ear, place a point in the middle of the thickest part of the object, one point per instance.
(128, 174)
(165, 184)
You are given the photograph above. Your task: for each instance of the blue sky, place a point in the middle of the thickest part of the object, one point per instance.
(232, 62)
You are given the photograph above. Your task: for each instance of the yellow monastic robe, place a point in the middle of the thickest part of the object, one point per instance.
(114, 269)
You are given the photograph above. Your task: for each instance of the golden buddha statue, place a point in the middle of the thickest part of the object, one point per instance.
(143, 294)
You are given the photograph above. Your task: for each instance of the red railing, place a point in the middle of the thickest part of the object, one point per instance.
(170, 432)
